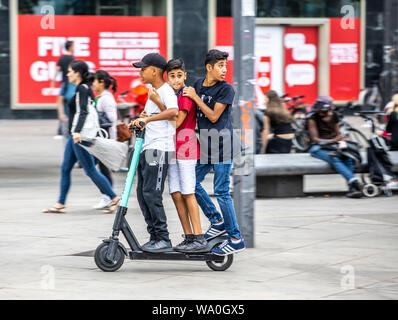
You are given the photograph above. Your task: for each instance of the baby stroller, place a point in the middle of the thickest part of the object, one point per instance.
(379, 163)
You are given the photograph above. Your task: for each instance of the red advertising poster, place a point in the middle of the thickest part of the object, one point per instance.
(224, 42)
(301, 61)
(105, 42)
(344, 60)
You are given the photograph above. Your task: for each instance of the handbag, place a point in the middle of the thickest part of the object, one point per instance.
(123, 132)
(104, 121)
(110, 152)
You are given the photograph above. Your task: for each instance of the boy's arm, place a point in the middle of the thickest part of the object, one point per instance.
(212, 115)
(182, 114)
(169, 114)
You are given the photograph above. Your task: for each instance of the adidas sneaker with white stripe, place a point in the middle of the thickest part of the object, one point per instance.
(215, 230)
(229, 247)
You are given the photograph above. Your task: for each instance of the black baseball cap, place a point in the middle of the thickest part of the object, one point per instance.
(151, 59)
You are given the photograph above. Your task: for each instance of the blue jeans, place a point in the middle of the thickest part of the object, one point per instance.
(345, 167)
(73, 153)
(221, 191)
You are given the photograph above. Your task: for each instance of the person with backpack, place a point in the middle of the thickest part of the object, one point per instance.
(107, 108)
(84, 126)
(324, 130)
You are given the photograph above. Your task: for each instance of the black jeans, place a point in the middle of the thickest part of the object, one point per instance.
(151, 172)
(279, 145)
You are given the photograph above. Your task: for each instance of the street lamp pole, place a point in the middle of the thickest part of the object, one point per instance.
(244, 12)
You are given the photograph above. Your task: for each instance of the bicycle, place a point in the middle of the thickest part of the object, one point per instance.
(349, 132)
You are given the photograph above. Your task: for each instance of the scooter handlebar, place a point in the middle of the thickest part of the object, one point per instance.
(138, 131)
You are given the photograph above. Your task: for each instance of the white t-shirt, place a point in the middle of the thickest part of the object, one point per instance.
(106, 103)
(160, 134)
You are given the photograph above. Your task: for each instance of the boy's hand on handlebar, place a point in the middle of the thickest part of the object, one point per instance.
(139, 123)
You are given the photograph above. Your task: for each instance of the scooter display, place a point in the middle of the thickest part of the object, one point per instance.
(110, 254)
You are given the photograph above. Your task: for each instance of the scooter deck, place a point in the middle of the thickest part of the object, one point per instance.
(175, 255)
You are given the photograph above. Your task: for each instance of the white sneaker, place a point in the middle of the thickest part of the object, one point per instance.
(104, 203)
(392, 185)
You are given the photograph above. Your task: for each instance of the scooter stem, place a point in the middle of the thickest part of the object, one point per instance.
(130, 175)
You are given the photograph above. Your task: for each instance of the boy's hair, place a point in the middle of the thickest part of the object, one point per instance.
(214, 55)
(174, 64)
(68, 44)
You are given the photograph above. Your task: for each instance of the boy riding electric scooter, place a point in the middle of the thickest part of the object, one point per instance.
(109, 256)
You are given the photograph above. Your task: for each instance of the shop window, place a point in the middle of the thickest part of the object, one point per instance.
(96, 7)
(294, 8)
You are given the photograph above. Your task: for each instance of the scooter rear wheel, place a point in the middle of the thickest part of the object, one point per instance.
(103, 263)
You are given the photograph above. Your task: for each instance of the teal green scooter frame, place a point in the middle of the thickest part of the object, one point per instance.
(110, 254)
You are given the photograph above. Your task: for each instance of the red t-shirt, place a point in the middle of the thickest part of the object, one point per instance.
(187, 145)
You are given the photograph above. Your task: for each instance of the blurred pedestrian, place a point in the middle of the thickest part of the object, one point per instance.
(278, 122)
(67, 90)
(84, 126)
(392, 124)
(324, 129)
(106, 104)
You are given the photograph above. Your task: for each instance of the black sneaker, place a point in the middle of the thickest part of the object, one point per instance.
(158, 246)
(354, 189)
(149, 243)
(187, 239)
(198, 244)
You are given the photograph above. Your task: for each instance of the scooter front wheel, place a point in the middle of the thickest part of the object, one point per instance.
(103, 263)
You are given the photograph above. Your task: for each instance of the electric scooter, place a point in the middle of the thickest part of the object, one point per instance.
(110, 254)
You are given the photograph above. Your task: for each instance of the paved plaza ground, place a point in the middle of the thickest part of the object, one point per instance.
(314, 247)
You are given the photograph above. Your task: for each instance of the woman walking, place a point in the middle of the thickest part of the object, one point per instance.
(277, 120)
(106, 104)
(84, 125)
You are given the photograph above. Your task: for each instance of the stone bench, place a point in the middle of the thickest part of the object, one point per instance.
(282, 175)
